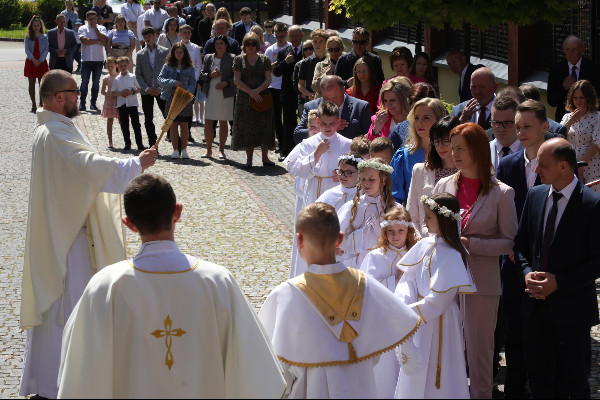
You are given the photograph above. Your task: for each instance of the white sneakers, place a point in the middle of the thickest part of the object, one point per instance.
(175, 154)
(184, 153)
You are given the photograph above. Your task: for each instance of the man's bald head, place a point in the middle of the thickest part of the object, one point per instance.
(52, 82)
(573, 49)
(483, 85)
(294, 28)
(561, 150)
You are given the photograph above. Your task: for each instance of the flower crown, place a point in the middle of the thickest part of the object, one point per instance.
(349, 157)
(390, 222)
(375, 165)
(445, 211)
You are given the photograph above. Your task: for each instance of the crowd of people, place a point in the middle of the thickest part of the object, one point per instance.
(424, 241)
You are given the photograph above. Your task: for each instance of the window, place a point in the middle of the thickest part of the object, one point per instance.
(316, 10)
(413, 35)
(491, 44)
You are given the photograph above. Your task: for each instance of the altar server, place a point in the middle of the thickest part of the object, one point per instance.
(347, 173)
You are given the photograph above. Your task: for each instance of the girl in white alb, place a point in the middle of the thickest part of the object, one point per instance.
(398, 235)
(347, 172)
(435, 272)
(360, 218)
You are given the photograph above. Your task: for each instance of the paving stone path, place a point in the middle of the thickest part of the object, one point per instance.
(240, 219)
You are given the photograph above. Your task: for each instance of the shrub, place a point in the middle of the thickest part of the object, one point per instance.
(47, 10)
(28, 10)
(10, 11)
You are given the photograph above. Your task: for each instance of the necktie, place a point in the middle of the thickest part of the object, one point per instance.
(549, 230)
(295, 52)
(481, 120)
(505, 151)
(574, 72)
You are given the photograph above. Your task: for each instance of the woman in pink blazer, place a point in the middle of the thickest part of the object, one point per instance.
(489, 225)
(393, 110)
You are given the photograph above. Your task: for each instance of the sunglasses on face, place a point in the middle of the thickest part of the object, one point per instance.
(268, 26)
(251, 44)
(359, 42)
(308, 49)
(333, 49)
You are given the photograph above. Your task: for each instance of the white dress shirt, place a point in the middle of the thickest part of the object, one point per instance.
(122, 82)
(496, 151)
(530, 166)
(488, 111)
(156, 18)
(272, 52)
(577, 69)
(91, 52)
(131, 12)
(567, 191)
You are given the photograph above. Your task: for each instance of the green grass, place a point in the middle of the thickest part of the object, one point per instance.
(15, 32)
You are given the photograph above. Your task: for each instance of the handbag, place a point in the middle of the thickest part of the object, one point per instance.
(267, 98)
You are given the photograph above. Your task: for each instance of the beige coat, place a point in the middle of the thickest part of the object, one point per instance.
(491, 228)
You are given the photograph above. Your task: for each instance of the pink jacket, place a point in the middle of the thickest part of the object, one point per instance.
(385, 131)
(491, 227)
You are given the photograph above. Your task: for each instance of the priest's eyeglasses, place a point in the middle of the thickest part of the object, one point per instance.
(71, 91)
(347, 174)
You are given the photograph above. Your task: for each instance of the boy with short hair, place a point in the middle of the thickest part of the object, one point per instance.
(329, 325)
(382, 147)
(164, 324)
(126, 87)
(361, 145)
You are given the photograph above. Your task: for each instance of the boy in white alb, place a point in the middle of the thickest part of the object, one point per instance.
(347, 173)
(329, 325)
(127, 87)
(164, 324)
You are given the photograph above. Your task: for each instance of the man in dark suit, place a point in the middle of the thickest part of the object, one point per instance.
(458, 63)
(148, 64)
(62, 44)
(221, 27)
(345, 64)
(557, 248)
(284, 67)
(191, 12)
(355, 114)
(565, 73)
(479, 108)
(240, 28)
(517, 170)
(203, 24)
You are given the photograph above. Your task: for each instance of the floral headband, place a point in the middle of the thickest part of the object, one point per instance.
(445, 211)
(375, 165)
(391, 222)
(349, 158)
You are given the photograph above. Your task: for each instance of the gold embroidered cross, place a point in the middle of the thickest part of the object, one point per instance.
(168, 334)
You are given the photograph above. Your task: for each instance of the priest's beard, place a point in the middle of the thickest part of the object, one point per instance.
(71, 110)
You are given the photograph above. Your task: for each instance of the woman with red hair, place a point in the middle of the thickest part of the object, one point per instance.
(489, 225)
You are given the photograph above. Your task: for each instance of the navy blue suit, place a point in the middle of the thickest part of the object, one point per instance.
(458, 109)
(238, 31)
(555, 130)
(464, 91)
(234, 47)
(511, 170)
(356, 112)
(556, 331)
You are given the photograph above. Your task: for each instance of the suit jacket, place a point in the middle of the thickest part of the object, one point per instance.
(557, 95)
(238, 31)
(511, 170)
(70, 46)
(574, 256)
(491, 228)
(356, 112)
(495, 158)
(286, 71)
(458, 109)
(234, 47)
(464, 91)
(554, 130)
(202, 30)
(226, 69)
(145, 74)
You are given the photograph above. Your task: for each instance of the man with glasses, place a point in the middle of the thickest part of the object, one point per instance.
(284, 68)
(275, 86)
(73, 226)
(93, 39)
(503, 125)
(221, 29)
(345, 65)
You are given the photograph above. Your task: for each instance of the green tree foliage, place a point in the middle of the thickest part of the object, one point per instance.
(10, 11)
(376, 15)
(48, 9)
(28, 10)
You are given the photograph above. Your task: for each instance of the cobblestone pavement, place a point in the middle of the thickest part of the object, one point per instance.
(239, 219)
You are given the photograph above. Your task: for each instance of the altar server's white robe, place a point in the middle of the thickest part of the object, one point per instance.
(166, 325)
(382, 267)
(357, 244)
(299, 185)
(329, 326)
(73, 229)
(434, 275)
(337, 196)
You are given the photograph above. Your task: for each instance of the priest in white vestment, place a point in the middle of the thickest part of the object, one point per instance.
(165, 324)
(329, 325)
(73, 226)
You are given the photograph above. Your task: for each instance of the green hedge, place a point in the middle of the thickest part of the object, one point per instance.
(28, 10)
(47, 10)
(10, 11)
